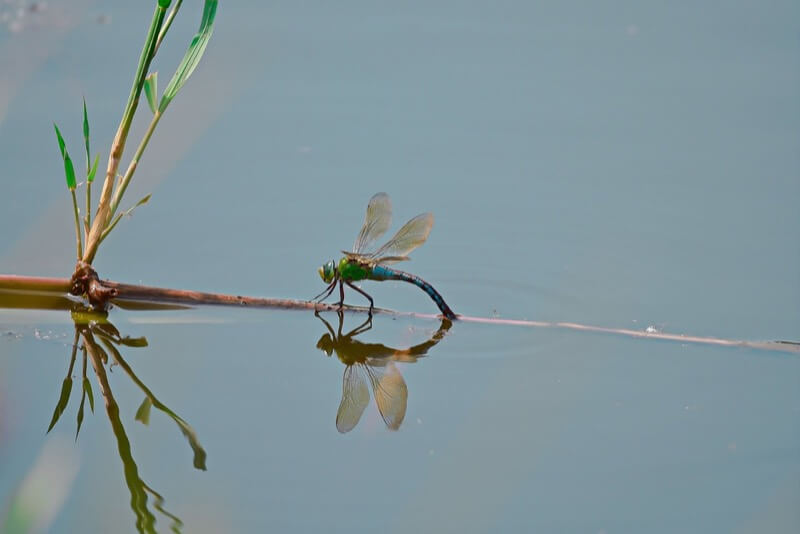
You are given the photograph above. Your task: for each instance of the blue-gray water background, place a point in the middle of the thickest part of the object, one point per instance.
(622, 164)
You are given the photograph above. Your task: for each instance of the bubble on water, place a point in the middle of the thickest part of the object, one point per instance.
(10, 336)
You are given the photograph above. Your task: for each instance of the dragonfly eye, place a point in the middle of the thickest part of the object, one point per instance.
(326, 272)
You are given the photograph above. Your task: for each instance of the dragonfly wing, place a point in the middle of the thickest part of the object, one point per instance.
(410, 236)
(385, 260)
(355, 397)
(391, 394)
(376, 222)
(367, 258)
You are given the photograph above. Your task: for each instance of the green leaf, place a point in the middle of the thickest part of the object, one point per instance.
(86, 132)
(143, 413)
(69, 170)
(192, 57)
(151, 90)
(133, 341)
(61, 144)
(66, 389)
(143, 201)
(87, 387)
(119, 216)
(80, 415)
(92, 172)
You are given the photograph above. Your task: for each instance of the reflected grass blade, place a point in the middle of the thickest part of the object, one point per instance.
(87, 387)
(63, 400)
(80, 414)
(143, 413)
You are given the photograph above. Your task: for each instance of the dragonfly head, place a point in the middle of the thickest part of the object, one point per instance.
(327, 272)
(326, 344)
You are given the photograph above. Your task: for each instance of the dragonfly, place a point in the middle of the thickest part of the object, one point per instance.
(360, 264)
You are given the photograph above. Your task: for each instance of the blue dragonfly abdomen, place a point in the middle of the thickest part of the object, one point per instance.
(381, 272)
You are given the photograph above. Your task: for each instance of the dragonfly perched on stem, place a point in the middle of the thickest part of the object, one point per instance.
(359, 264)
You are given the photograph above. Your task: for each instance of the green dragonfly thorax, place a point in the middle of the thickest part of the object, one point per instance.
(352, 270)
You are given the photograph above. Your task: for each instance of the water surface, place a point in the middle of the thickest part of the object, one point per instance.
(628, 167)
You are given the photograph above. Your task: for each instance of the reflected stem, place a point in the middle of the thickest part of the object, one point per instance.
(145, 520)
(199, 453)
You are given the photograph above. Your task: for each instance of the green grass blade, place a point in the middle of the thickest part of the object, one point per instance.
(90, 177)
(144, 200)
(61, 144)
(151, 90)
(86, 135)
(69, 170)
(192, 57)
(119, 216)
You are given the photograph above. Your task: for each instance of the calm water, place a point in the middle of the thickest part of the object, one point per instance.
(624, 166)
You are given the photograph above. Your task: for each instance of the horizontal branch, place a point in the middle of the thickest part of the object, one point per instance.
(134, 296)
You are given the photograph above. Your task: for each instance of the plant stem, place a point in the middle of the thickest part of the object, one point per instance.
(118, 146)
(79, 243)
(167, 24)
(126, 179)
(87, 219)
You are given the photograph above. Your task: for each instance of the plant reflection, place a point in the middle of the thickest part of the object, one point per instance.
(373, 362)
(100, 342)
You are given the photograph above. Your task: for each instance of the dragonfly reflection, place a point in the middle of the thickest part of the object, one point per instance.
(373, 363)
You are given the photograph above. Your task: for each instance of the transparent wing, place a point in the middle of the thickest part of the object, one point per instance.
(391, 393)
(367, 258)
(376, 222)
(355, 397)
(410, 236)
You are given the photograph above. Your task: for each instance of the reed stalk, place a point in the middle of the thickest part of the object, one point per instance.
(118, 146)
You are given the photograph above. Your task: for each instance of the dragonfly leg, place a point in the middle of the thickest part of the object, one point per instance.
(371, 303)
(340, 313)
(363, 327)
(327, 292)
(341, 295)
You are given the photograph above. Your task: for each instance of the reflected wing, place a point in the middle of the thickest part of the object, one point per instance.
(376, 222)
(355, 397)
(391, 394)
(410, 236)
